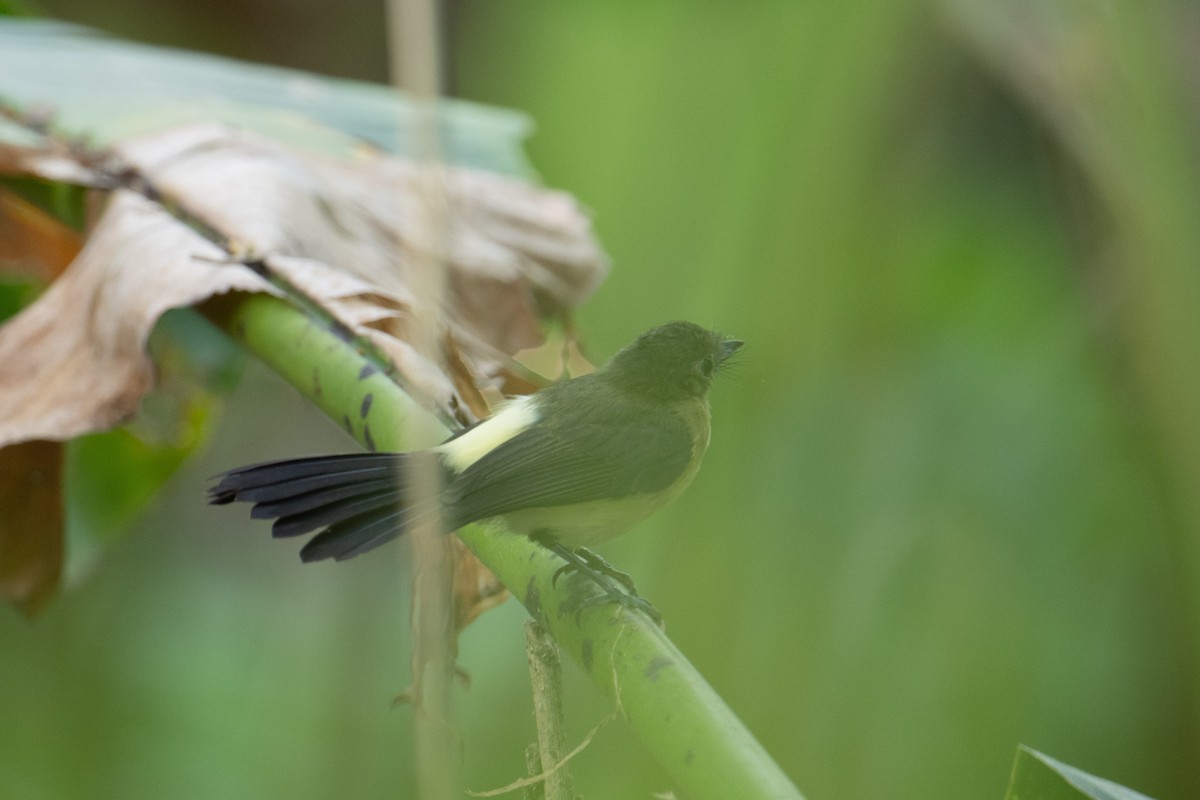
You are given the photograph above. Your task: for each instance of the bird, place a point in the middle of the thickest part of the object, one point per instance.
(570, 466)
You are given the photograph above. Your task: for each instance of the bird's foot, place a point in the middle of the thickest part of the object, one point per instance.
(593, 564)
(616, 586)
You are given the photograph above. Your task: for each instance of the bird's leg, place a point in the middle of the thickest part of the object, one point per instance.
(617, 586)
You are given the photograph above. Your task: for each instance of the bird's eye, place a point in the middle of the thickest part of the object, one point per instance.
(707, 366)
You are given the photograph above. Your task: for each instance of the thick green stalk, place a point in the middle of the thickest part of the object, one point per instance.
(697, 739)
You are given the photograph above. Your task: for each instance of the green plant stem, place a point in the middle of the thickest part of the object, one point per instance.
(681, 721)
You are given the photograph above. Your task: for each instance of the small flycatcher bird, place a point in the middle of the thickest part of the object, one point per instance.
(570, 466)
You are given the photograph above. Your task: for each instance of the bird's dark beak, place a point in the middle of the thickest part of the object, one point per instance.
(729, 347)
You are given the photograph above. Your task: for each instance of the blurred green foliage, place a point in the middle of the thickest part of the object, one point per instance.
(950, 503)
(113, 475)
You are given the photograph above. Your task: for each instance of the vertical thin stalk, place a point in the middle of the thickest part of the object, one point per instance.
(545, 674)
(533, 767)
(414, 36)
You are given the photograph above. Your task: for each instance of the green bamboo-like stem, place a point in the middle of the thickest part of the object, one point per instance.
(332, 373)
(696, 738)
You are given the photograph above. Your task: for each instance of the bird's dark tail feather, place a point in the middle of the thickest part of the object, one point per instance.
(357, 499)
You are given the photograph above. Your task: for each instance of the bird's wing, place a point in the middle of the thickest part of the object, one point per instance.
(599, 460)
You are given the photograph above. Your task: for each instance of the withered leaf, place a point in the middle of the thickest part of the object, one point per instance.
(74, 361)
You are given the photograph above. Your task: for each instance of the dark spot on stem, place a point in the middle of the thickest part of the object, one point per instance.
(368, 398)
(533, 598)
(367, 371)
(349, 425)
(318, 391)
(656, 666)
(367, 440)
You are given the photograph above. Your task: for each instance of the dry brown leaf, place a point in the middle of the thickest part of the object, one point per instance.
(512, 248)
(343, 233)
(475, 588)
(74, 361)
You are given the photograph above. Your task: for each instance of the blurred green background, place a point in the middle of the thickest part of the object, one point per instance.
(951, 503)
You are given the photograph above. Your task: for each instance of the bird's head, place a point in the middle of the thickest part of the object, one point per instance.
(676, 361)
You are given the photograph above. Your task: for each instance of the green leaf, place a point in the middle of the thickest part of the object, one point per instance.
(1037, 776)
(109, 88)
